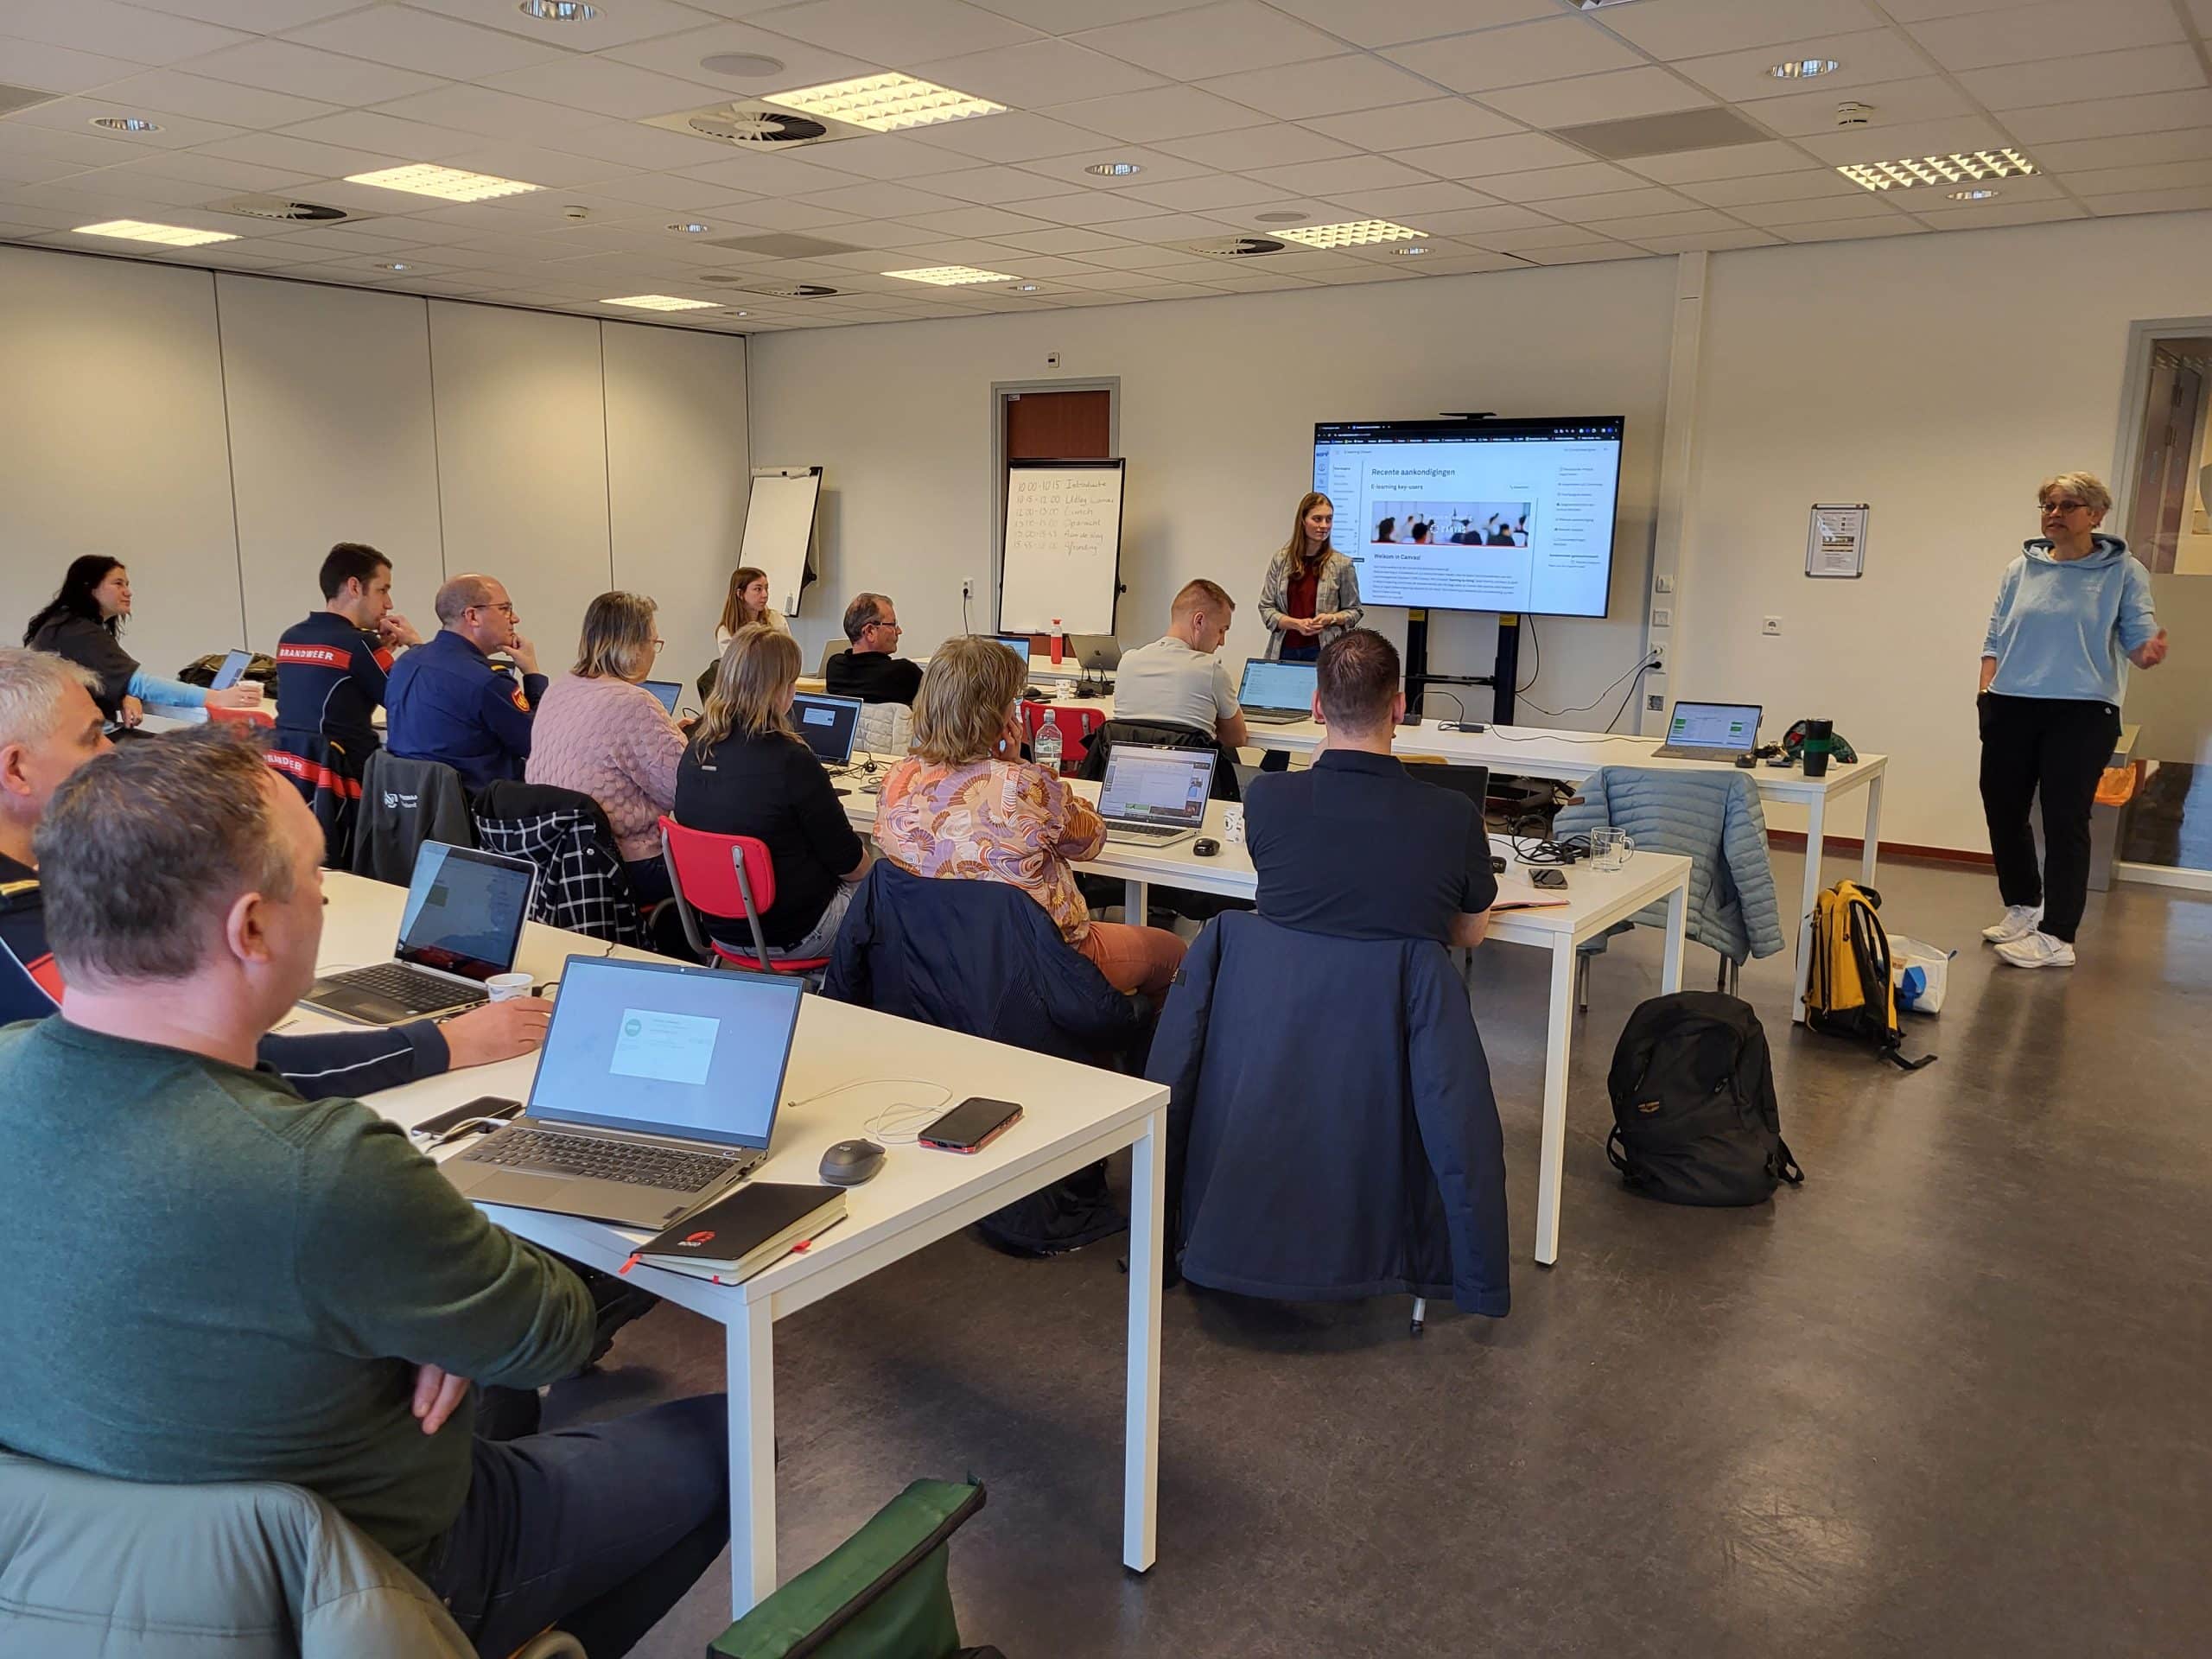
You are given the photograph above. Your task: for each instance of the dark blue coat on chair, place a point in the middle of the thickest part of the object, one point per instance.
(985, 958)
(1331, 1152)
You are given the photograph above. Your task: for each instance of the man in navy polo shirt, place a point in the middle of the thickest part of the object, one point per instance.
(331, 668)
(1354, 846)
(447, 702)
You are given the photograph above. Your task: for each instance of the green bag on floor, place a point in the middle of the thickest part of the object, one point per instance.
(881, 1594)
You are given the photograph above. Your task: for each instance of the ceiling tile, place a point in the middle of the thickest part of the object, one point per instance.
(778, 215)
(1365, 22)
(1483, 225)
(898, 32)
(1211, 190)
(634, 145)
(257, 17)
(1164, 112)
(1280, 144)
(1483, 156)
(616, 25)
(1349, 172)
(1527, 53)
(770, 175)
(2105, 117)
(1547, 184)
(688, 197)
(1893, 103)
(2048, 32)
(2153, 202)
(2013, 191)
(1618, 96)
(281, 67)
(417, 40)
(76, 115)
(680, 55)
(551, 168)
(1618, 204)
(2132, 149)
(1221, 39)
(1037, 74)
(57, 68)
(224, 174)
(1689, 29)
(1016, 137)
(1853, 230)
(994, 185)
(301, 155)
(1426, 121)
(605, 87)
(1735, 161)
(366, 130)
(1159, 167)
(1059, 240)
(1323, 86)
(111, 30)
(207, 100)
(886, 155)
(1863, 59)
(1990, 214)
(881, 202)
(1920, 138)
(1584, 254)
(1709, 241)
(2097, 74)
(1090, 207)
(1419, 204)
(1777, 186)
(494, 114)
(1866, 205)
(2127, 181)
(1636, 228)
(992, 222)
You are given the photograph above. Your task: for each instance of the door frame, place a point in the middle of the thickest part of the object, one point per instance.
(1002, 393)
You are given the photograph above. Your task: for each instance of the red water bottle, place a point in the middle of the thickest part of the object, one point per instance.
(1056, 642)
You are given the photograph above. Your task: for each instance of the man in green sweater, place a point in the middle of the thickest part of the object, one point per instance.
(215, 1280)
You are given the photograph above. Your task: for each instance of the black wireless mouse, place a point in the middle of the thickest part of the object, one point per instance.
(849, 1163)
(1205, 847)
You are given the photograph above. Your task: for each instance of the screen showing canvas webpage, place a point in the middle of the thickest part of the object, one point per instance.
(1160, 785)
(1488, 516)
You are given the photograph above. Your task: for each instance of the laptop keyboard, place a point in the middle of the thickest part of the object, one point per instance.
(417, 993)
(591, 1158)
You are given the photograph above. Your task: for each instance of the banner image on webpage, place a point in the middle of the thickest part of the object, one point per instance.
(1453, 524)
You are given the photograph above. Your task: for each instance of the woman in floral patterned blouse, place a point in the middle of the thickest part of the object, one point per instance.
(965, 804)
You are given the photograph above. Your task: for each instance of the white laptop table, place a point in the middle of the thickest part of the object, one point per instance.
(1596, 900)
(1073, 1115)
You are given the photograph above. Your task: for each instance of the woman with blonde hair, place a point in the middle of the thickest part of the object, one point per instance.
(1312, 592)
(965, 804)
(747, 772)
(2073, 610)
(748, 603)
(599, 731)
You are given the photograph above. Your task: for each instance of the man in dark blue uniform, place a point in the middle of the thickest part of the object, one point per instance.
(446, 700)
(331, 668)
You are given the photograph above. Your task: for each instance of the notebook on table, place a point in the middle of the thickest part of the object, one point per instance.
(1154, 796)
(732, 1238)
(461, 925)
(656, 1091)
(1276, 693)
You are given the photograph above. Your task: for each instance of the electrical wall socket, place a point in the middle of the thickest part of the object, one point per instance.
(1662, 583)
(967, 587)
(1051, 359)
(1659, 654)
(1662, 618)
(1771, 627)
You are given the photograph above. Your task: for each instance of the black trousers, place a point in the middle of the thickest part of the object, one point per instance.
(2056, 747)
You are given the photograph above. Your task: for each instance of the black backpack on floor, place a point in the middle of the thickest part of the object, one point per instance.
(1695, 1116)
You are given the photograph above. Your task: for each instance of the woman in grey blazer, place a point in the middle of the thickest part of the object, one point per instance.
(1312, 592)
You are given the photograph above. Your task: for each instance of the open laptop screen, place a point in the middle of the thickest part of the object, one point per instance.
(233, 665)
(465, 911)
(1277, 685)
(827, 723)
(1016, 643)
(1149, 785)
(667, 691)
(667, 1049)
(1729, 727)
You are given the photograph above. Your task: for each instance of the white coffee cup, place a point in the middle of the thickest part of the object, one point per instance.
(1232, 824)
(506, 987)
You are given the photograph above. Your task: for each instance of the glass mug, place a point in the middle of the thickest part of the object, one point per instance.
(1610, 847)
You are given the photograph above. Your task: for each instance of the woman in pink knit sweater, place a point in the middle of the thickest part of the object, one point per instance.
(599, 731)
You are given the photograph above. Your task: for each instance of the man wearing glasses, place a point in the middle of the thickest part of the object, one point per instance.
(449, 701)
(868, 670)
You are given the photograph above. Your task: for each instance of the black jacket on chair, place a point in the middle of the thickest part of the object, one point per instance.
(402, 804)
(1162, 735)
(1364, 1161)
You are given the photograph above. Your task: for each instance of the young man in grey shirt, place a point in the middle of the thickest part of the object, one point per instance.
(1179, 679)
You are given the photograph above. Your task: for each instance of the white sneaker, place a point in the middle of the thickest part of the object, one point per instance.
(2036, 950)
(2020, 921)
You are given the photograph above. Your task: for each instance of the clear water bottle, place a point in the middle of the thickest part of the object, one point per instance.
(1048, 747)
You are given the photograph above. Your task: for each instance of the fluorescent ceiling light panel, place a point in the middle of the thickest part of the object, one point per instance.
(1915, 170)
(1353, 233)
(447, 183)
(137, 230)
(887, 103)
(950, 276)
(663, 302)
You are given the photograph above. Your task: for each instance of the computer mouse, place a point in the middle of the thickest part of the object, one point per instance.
(851, 1162)
(1747, 760)
(1205, 847)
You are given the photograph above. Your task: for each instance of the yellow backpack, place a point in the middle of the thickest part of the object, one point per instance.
(1851, 992)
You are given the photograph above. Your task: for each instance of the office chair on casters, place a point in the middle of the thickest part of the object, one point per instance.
(726, 876)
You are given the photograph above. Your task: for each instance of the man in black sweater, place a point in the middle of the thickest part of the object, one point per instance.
(867, 669)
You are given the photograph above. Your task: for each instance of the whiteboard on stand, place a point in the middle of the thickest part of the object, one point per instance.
(1060, 557)
(780, 529)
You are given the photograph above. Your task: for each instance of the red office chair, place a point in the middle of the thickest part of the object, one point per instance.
(262, 718)
(1078, 723)
(726, 876)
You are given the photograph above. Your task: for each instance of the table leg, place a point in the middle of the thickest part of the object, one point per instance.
(1136, 902)
(1815, 831)
(752, 1378)
(1670, 951)
(1551, 1164)
(1873, 845)
(1147, 1239)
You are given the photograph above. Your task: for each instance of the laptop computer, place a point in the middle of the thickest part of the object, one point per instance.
(1276, 693)
(827, 723)
(233, 665)
(1154, 796)
(463, 919)
(1095, 653)
(1710, 731)
(667, 691)
(656, 1092)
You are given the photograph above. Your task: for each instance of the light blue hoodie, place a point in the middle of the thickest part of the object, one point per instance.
(2063, 627)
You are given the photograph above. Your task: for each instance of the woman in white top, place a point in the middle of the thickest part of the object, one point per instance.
(748, 603)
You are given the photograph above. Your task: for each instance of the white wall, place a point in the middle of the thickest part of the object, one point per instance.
(561, 454)
(1218, 399)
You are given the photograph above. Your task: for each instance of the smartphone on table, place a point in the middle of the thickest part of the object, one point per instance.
(972, 1125)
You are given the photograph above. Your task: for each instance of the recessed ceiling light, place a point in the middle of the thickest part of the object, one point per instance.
(126, 123)
(1914, 170)
(559, 11)
(1116, 169)
(393, 265)
(447, 183)
(1280, 216)
(1804, 68)
(1024, 288)
(1414, 251)
(742, 66)
(138, 229)
(661, 303)
(889, 102)
(1972, 195)
(691, 227)
(740, 314)
(950, 275)
(1353, 233)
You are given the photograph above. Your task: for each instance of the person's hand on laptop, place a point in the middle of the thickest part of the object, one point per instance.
(496, 1030)
(436, 1393)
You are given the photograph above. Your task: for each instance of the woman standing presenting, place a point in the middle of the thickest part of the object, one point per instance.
(2071, 612)
(1312, 592)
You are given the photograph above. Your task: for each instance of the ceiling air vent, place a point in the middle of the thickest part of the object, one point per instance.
(749, 124)
(23, 97)
(257, 206)
(783, 245)
(749, 283)
(1234, 247)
